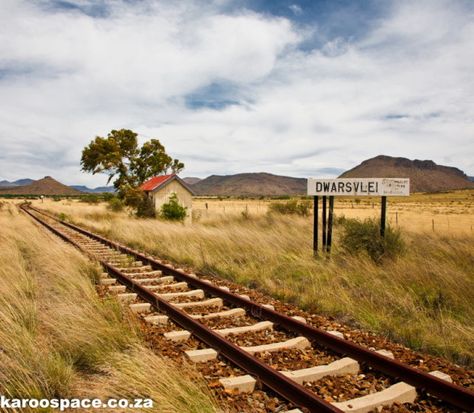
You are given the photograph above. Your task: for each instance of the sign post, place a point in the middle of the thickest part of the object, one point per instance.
(330, 220)
(383, 187)
(383, 216)
(324, 222)
(315, 224)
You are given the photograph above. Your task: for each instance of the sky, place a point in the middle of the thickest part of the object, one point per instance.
(299, 88)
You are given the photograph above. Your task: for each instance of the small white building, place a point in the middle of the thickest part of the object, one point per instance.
(160, 188)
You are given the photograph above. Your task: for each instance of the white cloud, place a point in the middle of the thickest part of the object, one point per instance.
(403, 89)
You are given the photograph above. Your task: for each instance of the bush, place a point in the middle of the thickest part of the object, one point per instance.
(293, 207)
(358, 236)
(115, 204)
(90, 198)
(172, 210)
(107, 196)
(63, 217)
(146, 208)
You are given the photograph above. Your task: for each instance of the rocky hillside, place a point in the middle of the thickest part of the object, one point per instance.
(250, 184)
(45, 186)
(425, 176)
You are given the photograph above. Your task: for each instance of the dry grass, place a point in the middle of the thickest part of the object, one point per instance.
(424, 299)
(451, 213)
(58, 339)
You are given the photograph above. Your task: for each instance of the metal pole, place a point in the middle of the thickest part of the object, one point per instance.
(330, 221)
(324, 222)
(315, 225)
(383, 216)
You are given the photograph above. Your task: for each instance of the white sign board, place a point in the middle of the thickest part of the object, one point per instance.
(359, 186)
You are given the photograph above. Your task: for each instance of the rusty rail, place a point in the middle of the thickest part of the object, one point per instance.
(457, 396)
(279, 383)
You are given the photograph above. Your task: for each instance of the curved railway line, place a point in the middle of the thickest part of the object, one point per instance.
(164, 293)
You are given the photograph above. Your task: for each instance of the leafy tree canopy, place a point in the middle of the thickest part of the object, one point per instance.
(120, 156)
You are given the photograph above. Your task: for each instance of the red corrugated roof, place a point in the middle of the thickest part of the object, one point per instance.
(155, 182)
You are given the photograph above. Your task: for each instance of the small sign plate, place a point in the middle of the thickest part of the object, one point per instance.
(359, 186)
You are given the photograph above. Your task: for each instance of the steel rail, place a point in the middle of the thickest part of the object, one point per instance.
(458, 396)
(273, 379)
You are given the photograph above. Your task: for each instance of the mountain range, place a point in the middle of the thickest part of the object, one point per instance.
(98, 190)
(425, 176)
(18, 182)
(250, 184)
(44, 186)
(81, 188)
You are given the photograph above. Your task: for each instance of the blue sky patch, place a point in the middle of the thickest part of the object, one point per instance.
(97, 8)
(217, 95)
(328, 19)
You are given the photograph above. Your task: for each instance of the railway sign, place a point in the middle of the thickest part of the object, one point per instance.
(350, 187)
(359, 187)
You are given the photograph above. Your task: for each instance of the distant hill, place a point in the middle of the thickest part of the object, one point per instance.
(250, 184)
(45, 186)
(99, 189)
(191, 180)
(19, 182)
(425, 176)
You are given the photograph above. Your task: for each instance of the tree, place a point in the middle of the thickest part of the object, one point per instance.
(120, 156)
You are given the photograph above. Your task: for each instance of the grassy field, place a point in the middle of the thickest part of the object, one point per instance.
(451, 213)
(423, 299)
(58, 339)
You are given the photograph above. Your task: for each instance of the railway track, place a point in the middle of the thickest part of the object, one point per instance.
(246, 333)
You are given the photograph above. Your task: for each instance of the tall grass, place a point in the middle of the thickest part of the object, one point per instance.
(58, 339)
(422, 299)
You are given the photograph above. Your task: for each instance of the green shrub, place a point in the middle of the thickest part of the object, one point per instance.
(63, 217)
(90, 198)
(293, 207)
(364, 236)
(146, 208)
(172, 210)
(115, 204)
(107, 196)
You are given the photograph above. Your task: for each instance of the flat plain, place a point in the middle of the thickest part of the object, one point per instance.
(422, 299)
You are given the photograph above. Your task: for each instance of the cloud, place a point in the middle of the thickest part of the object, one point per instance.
(232, 90)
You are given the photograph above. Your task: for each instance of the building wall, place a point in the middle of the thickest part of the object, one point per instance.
(162, 195)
